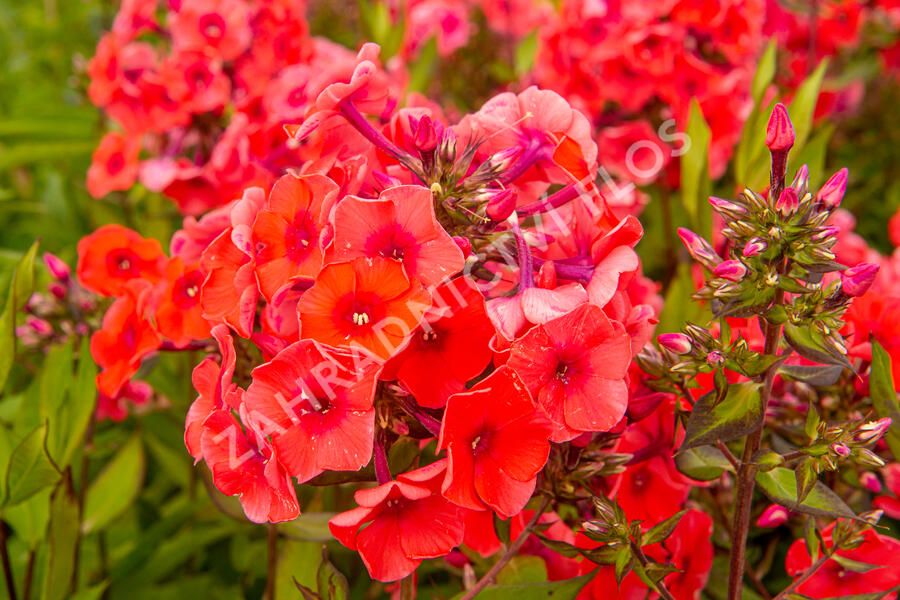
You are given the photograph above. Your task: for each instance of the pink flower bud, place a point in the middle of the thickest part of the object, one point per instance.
(780, 131)
(755, 246)
(873, 430)
(39, 326)
(715, 358)
(870, 481)
(675, 342)
(505, 158)
(426, 135)
(831, 194)
(501, 204)
(725, 206)
(788, 203)
(857, 280)
(58, 290)
(773, 516)
(464, 244)
(842, 450)
(824, 234)
(698, 247)
(801, 179)
(57, 267)
(732, 270)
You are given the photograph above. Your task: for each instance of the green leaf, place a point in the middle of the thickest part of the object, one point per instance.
(810, 344)
(63, 540)
(501, 528)
(561, 548)
(740, 413)
(811, 428)
(765, 73)
(309, 527)
(566, 589)
(679, 308)
(810, 538)
(703, 463)
(854, 565)
(421, 73)
(695, 183)
(884, 396)
(298, 563)
(662, 530)
(780, 485)
(92, 593)
(331, 583)
(523, 569)
(73, 418)
(525, 53)
(622, 566)
(30, 469)
(29, 519)
(19, 292)
(814, 375)
(806, 477)
(115, 488)
(803, 106)
(33, 152)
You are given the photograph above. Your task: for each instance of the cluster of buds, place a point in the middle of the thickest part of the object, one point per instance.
(58, 313)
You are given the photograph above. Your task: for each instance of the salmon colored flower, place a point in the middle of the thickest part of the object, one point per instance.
(400, 224)
(126, 338)
(315, 404)
(114, 255)
(287, 231)
(179, 315)
(401, 523)
(221, 26)
(367, 303)
(497, 442)
(243, 465)
(575, 367)
(114, 164)
(448, 349)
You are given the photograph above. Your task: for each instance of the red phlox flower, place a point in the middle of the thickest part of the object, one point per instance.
(512, 316)
(195, 235)
(220, 26)
(179, 315)
(575, 368)
(315, 403)
(243, 465)
(559, 567)
(287, 231)
(448, 349)
(114, 255)
(496, 442)
(400, 523)
(196, 80)
(213, 382)
(366, 303)
(279, 317)
(114, 164)
(126, 338)
(133, 393)
(633, 152)
(833, 579)
(400, 224)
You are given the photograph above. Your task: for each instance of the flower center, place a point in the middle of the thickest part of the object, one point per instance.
(212, 26)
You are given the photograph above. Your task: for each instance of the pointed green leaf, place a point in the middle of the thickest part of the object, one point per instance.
(115, 488)
(695, 183)
(803, 106)
(523, 569)
(662, 530)
(703, 463)
(884, 396)
(806, 478)
(20, 289)
(567, 589)
(30, 469)
(332, 585)
(809, 344)
(63, 540)
(624, 560)
(734, 417)
(780, 485)
(765, 73)
(74, 416)
(814, 375)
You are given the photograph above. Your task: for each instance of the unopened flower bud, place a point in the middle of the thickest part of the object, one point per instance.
(857, 280)
(58, 290)
(727, 207)
(873, 430)
(447, 148)
(831, 194)
(825, 234)
(57, 267)
(755, 246)
(39, 326)
(773, 516)
(698, 248)
(780, 131)
(501, 204)
(788, 203)
(504, 159)
(870, 481)
(385, 181)
(675, 342)
(864, 456)
(842, 450)
(464, 244)
(801, 180)
(426, 139)
(715, 358)
(732, 270)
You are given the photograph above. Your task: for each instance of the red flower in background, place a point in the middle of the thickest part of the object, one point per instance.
(575, 367)
(367, 303)
(496, 442)
(220, 26)
(114, 255)
(400, 224)
(315, 403)
(834, 579)
(114, 164)
(401, 523)
(287, 231)
(133, 393)
(126, 338)
(448, 349)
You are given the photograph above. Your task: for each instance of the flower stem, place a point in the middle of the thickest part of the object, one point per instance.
(7, 569)
(642, 558)
(509, 554)
(803, 577)
(563, 196)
